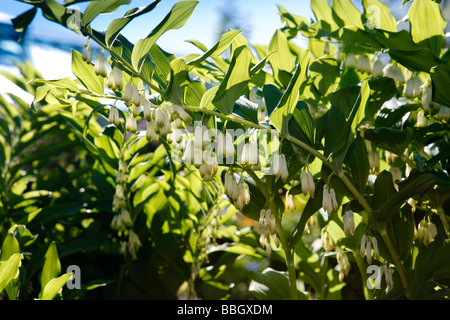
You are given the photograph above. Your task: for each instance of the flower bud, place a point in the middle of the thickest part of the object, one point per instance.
(326, 241)
(128, 95)
(261, 111)
(362, 248)
(115, 81)
(135, 95)
(349, 222)
(101, 66)
(394, 72)
(290, 202)
(377, 69)
(151, 134)
(376, 252)
(113, 116)
(131, 123)
(426, 98)
(422, 120)
(350, 62)
(396, 175)
(363, 64)
(146, 106)
(86, 53)
(225, 146)
(374, 162)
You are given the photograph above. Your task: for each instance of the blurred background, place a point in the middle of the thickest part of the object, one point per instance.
(48, 45)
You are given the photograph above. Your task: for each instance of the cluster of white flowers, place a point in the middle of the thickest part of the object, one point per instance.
(289, 202)
(426, 232)
(307, 183)
(367, 243)
(343, 263)
(327, 242)
(238, 192)
(268, 230)
(329, 202)
(279, 166)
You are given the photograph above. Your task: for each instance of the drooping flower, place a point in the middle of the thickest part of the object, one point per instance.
(115, 81)
(349, 223)
(350, 61)
(377, 68)
(363, 64)
(101, 66)
(86, 52)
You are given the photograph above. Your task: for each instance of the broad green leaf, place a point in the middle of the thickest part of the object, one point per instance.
(175, 19)
(9, 269)
(22, 21)
(346, 13)
(271, 285)
(118, 24)
(440, 76)
(53, 11)
(218, 48)
(392, 140)
(179, 78)
(323, 11)
(282, 59)
(378, 15)
(235, 82)
(54, 286)
(324, 73)
(206, 102)
(98, 7)
(358, 163)
(51, 267)
(427, 24)
(282, 113)
(85, 73)
(432, 261)
(10, 246)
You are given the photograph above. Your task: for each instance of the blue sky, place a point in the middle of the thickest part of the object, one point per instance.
(261, 16)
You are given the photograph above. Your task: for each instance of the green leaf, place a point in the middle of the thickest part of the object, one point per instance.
(9, 269)
(235, 82)
(98, 7)
(51, 267)
(323, 12)
(427, 24)
(175, 19)
(282, 113)
(271, 285)
(282, 59)
(10, 246)
(346, 13)
(358, 163)
(218, 48)
(54, 286)
(392, 140)
(21, 22)
(85, 73)
(324, 73)
(118, 24)
(179, 79)
(379, 16)
(432, 261)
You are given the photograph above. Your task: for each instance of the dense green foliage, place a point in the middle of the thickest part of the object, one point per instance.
(348, 199)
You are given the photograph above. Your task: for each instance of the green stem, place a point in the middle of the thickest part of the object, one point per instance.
(289, 257)
(398, 263)
(360, 263)
(444, 220)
